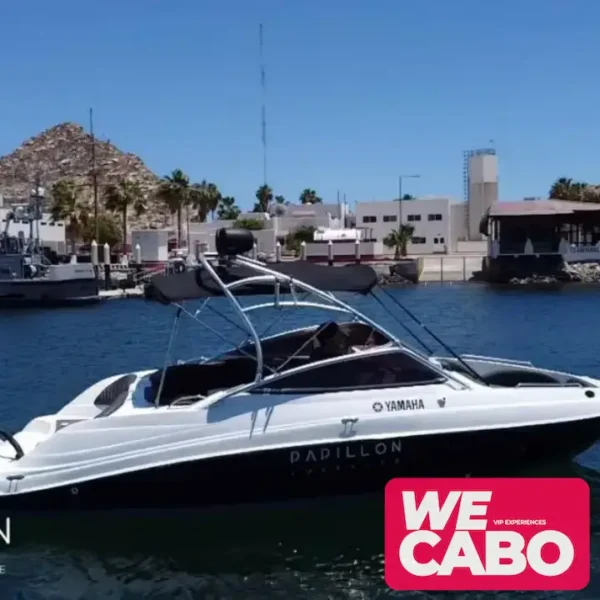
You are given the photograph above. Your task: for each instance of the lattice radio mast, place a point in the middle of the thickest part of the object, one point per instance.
(95, 177)
(263, 84)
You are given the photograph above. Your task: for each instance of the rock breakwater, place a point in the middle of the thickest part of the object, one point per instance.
(583, 272)
(569, 272)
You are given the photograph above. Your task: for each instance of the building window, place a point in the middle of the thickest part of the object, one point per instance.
(390, 218)
(384, 371)
(438, 240)
(369, 219)
(436, 217)
(418, 240)
(413, 217)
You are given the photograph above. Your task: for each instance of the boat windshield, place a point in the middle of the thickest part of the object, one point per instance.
(231, 274)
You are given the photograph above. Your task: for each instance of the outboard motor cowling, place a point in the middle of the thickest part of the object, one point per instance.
(230, 242)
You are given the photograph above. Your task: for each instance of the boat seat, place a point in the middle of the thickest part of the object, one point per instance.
(331, 341)
(512, 377)
(193, 379)
(113, 397)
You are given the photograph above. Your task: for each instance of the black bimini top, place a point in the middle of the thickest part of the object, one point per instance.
(197, 284)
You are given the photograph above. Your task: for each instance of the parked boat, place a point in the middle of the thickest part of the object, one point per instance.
(29, 278)
(336, 408)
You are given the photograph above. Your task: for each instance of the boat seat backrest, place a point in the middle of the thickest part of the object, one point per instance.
(199, 379)
(116, 392)
(512, 377)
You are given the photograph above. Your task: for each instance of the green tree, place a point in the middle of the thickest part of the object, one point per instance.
(264, 197)
(68, 206)
(109, 231)
(174, 191)
(406, 197)
(564, 188)
(309, 196)
(252, 224)
(227, 209)
(398, 239)
(294, 239)
(122, 196)
(591, 194)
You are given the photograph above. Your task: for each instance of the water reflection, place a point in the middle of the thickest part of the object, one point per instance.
(318, 549)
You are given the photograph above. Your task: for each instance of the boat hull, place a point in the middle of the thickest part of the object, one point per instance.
(33, 293)
(350, 467)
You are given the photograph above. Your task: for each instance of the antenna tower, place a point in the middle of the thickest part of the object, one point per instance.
(263, 85)
(95, 176)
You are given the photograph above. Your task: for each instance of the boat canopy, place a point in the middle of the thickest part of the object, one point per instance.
(200, 283)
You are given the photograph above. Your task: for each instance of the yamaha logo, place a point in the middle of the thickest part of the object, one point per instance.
(377, 407)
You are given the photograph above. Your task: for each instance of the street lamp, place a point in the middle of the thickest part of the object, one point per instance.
(400, 178)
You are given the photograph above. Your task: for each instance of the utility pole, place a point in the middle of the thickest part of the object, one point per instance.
(400, 178)
(94, 178)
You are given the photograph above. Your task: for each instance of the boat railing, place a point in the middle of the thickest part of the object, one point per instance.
(508, 361)
(557, 384)
(7, 437)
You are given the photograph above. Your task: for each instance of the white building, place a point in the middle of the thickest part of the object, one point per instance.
(326, 216)
(430, 218)
(153, 243)
(52, 235)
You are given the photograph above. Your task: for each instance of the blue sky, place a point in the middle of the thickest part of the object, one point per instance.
(358, 91)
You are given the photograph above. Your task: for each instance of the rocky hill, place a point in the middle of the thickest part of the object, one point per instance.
(64, 151)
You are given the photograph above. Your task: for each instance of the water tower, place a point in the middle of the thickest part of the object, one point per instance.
(480, 175)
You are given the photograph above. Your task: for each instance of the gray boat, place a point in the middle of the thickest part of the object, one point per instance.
(29, 278)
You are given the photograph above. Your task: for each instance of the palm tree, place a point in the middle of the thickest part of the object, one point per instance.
(560, 188)
(213, 197)
(205, 199)
(227, 209)
(398, 239)
(278, 208)
(199, 202)
(174, 191)
(120, 197)
(264, 195)
(565, 188)
(309, 196)
(68, 206)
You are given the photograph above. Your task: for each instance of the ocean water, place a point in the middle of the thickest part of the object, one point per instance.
(326, 550)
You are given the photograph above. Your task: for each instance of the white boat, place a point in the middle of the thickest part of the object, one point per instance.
(332, 409)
